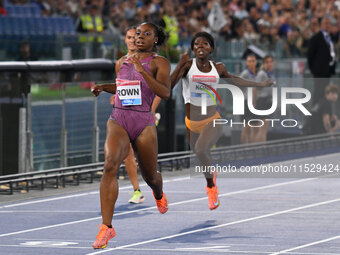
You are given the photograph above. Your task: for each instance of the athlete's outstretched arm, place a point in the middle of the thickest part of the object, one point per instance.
(235, 80)
(160, 84)
(107, 87)
(181, 69)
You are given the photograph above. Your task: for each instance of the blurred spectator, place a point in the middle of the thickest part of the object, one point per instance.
(321, 59)
(274, 37)
(193, 20)
(148, 11)
(264, 21)
(117, 23)
(215, 18)
(60, 8)
(254, 16)
(250, 35)
(247, 134)
(264, 97)
(324, 119)
(234, 6)
(262, 5)
(335, 33)
(2, 8)
(74, 7)
(130, 10)
(204, 25)
(226, 32)
(303, 23)
(99, 3)
(241, 13)
(225, 9)
(290, 47)
(303, 42)
(275, 15)
(170, 24)
(335, 36)
(25, 52)
(265, 35)
(302, 5)
(239, 29)
(91, 22)
(183, 27)
(286, 25)
(272, 22)
(250, 4)
(45, 8)
(314, 26)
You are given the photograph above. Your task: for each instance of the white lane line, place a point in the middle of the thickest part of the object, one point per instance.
(312, 253)
(50, 226)
(55, 240)
(177, 179)
(50, 212)
(113, 240)
(249, 190)
(172, 250)
(81, 194)
(154, 207)
(186, 250)
(306, 245)
(223, 251)
(218, 226)
(49, 199)
(169, 212)
(181, 179)
(42, 246)
(206, 248)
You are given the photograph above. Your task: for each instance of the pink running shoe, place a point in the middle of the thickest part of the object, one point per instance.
(103, 237)
(213, 200)
(162, 204)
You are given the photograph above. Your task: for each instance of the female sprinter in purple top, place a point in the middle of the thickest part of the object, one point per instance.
(140, 77)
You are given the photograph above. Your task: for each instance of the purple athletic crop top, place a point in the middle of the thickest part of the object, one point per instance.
(133, 92)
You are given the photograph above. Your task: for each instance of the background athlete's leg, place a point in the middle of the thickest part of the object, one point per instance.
(116, 149)
(261, 132)
(246, 134)
(147, 152)
(207, 138)
(131, 168)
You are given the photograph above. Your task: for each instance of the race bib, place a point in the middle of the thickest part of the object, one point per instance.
(201, 83)
(129, 92)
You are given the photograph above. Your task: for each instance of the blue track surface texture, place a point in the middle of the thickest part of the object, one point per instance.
(256, 216)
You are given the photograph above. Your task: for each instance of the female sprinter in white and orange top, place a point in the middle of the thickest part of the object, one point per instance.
(139, 78)
(202, 135)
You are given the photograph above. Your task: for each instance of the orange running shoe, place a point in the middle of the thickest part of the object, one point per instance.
(103, 237)
(162, 204)
(213, 200)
